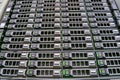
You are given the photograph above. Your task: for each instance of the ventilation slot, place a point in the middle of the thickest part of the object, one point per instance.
(49, 15)
(112, 54)
(25, 6)
(101, 14)
(15, 46)
(77, 38)
(46, 39)
(76, 25)
(97, 4)
(19, 33)
(48, 20)
(22, 20)
(44, 73)
(49, 1)
(73, 4)
(108, 38)
(25, 10)
(45, 64)
(49, 9)
(23, 16)
(47, 32)
(78, 55)
(113, 62)
(78, 45)
(73, 0)
(96, 0)
(73, 9)
(26, 2)
(77, 32)
(102, 19)
(110, 45)
(14, 39)
(103, 24)
(20, 26)
(114, 71)
(80, 64)
(49, 5)
(74, 14)
(106, 31)
(48, 25)
(45, 55)
(75, 19)
(46, 46)
(80, 73)
(13, 55)
(9, 72)
(98, 8)
(11, 63)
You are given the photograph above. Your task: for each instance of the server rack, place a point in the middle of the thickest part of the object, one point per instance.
(60, 39)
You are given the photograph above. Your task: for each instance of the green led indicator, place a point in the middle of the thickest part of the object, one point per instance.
(97, 54)
(30, 55)
(98, 62)
(94, 38)
(33, 38)
(29, 63)
(63, 63)
(63, 55)
(64, 72)
(62, 38)
(62, 32)
(100, 71)
(62, 45)
(27, 72)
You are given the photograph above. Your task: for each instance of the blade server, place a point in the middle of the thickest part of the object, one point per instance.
(60, 39)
